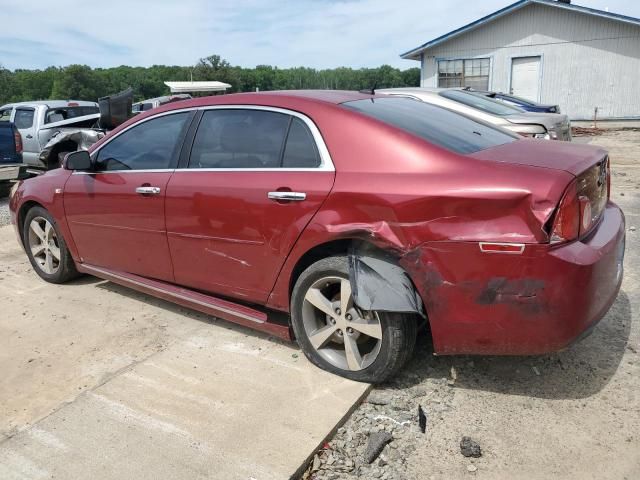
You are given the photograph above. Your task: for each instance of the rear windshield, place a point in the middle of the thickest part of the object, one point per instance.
(437, 125)
(67, 113)
(480, 102)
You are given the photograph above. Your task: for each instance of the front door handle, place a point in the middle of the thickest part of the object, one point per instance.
(287, 196)
(148, 190)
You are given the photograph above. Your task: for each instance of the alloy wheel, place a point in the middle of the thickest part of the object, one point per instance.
(342, 334)
(43, 243)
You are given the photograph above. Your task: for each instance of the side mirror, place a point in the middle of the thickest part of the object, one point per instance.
(79, 160)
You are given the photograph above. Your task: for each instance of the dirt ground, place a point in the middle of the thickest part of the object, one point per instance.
(570, 415)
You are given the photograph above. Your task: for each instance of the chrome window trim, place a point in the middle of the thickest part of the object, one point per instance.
(326, 162)
(107, 172)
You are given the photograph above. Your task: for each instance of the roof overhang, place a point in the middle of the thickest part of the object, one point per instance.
(416, 52)
(190, 87)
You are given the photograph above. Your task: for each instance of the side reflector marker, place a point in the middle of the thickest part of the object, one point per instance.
(509, 248)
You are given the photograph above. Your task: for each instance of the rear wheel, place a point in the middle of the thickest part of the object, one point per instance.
(338, 336)
(46, 249)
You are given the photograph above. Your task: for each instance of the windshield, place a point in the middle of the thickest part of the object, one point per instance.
(480, 102)
(66, 113)
(437, 125)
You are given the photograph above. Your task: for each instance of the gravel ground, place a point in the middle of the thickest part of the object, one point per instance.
(5, 219)
(571, 415)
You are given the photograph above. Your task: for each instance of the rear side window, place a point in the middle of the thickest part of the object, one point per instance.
(300, 150)
(239, 139)
(24, 118)
(67, 113)
(153, 144)
(434, 124)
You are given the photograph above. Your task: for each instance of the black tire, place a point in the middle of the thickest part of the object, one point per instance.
(5, 189)
(66, 268)
(398, 329)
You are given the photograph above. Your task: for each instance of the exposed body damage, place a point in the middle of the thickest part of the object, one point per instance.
(379, 283)
(68, 140)
(413, 218)
(433, 225)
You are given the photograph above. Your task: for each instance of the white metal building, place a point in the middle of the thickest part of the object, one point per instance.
(545, 50)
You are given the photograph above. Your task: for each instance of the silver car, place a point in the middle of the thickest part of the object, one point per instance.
(550, 126)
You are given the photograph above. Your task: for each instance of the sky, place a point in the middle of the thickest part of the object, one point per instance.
(283, 33)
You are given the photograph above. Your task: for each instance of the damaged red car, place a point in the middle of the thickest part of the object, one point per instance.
(341, 219)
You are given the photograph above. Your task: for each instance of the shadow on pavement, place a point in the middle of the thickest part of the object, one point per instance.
(186, 312)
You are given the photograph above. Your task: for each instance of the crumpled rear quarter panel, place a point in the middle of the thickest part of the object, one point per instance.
(533, 303)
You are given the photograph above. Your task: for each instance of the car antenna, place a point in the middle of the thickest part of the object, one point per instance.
(371, 91)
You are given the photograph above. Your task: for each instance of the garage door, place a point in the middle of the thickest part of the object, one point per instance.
(525, 77)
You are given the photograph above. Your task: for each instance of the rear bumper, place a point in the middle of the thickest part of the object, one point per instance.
(14, 171)
(534, 303)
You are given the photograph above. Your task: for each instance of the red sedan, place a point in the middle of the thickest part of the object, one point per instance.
(361, 216)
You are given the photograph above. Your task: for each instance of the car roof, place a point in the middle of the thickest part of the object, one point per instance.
(332, 97)
(53, 103)
(416, 90)
(184, 96)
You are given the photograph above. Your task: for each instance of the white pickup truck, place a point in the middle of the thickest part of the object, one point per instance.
(39, 121)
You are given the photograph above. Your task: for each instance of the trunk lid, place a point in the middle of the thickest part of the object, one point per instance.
(553, 122)
(570, 157)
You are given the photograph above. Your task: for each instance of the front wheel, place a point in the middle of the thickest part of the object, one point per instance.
(337, 336)
(46, 249)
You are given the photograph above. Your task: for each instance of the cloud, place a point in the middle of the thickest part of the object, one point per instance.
(284, 33)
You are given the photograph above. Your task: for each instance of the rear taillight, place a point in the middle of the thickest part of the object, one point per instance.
(18, 141)
(566, 225)
(586, 218)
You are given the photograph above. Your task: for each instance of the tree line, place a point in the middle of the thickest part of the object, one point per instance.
(81, 82)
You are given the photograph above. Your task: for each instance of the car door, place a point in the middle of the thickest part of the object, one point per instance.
(24, 120)
(116, 211)
(254, 179)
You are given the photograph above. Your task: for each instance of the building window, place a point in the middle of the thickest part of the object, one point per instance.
(473, 72)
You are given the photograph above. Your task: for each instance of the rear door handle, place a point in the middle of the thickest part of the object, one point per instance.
(148, 190)
(29, 136)
(287, 196)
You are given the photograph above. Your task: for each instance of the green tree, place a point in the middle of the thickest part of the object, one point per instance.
(78, 82)
(84, 83)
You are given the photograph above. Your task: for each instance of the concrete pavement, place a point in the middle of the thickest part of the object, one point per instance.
(101, 382)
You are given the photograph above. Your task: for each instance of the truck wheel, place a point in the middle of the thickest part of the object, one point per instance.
(336, 335)
(5, 189)
(46, 249)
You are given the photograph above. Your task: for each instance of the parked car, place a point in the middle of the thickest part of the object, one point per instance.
(152, 103)
(361, 216)
(548, 126)
(10, 155)
(520, 102)
(39, 121)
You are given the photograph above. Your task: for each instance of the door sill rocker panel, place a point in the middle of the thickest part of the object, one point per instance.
(185, 297)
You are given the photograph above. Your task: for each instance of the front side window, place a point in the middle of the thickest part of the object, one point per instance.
(473, 72)
(153, 144)
(239, 139)
(24, 118)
